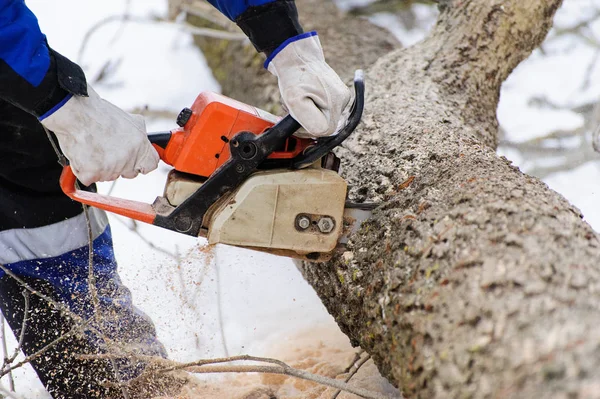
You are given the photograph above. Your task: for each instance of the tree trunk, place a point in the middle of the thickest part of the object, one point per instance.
(471, 279)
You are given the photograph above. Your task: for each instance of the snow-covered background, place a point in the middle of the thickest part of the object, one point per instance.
(207, 303)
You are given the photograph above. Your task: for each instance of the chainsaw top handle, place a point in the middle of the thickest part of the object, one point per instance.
(247, 152)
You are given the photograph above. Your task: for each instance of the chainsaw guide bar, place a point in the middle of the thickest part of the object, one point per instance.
(242, 178)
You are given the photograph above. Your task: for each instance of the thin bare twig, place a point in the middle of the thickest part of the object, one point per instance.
(357, 357)
(23, 328)
(154, 113)
(189, 297)
(208, 13)
(581, 30)
(587, 79)
(203, 362)
(80, 323)
(96, 301)
(126, 15)
(9, 395)
(206, 32)
(206, 366)
(172, 365)
(32, 357)
(574, 29)
(133, 227)
(330, 382)
(79, 326)
(112, 187)
(212, 33)
(356, 365)
(220, 306)
(11, 380)
(46, 298)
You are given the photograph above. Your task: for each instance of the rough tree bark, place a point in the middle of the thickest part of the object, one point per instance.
(472, 279)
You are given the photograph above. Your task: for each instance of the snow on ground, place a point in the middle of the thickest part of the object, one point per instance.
(263, 298)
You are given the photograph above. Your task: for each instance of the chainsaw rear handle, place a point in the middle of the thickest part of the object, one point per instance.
(124, 207)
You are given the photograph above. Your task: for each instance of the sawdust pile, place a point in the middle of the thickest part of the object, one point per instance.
(323, 350)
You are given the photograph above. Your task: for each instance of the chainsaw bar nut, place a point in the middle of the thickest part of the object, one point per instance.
(326, 225)
(303, 222)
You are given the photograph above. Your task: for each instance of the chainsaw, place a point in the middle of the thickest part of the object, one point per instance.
(241, 177)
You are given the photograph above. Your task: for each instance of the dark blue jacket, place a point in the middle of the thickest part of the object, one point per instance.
(36, 78)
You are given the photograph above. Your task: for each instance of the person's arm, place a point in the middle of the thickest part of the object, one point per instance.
(32, 76)
(267, 23)
(313, 93)
(101, 141)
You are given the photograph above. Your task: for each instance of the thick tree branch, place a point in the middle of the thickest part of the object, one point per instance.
(473, 48)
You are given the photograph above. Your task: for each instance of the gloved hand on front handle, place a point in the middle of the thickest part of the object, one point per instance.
(313, 93)
(101, 141)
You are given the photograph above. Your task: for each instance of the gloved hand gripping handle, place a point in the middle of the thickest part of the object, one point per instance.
(326, 144)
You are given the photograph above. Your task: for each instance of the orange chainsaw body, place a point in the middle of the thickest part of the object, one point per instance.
(201, 145)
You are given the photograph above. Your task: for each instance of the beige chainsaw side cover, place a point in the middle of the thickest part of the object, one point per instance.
(265, 211)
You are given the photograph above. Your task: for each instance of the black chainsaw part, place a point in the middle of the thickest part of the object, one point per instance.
(184, 116)
(161, 139)
(329, 161)
(270, 25)
(249, 153)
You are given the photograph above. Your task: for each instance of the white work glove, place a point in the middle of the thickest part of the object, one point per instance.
(100, 140)
(313, 93)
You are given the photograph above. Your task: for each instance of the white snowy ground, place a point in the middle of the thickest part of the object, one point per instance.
(263, 298)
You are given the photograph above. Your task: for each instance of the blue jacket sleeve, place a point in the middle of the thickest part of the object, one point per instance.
(267, 23)
(32, 75)
(22, 45)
